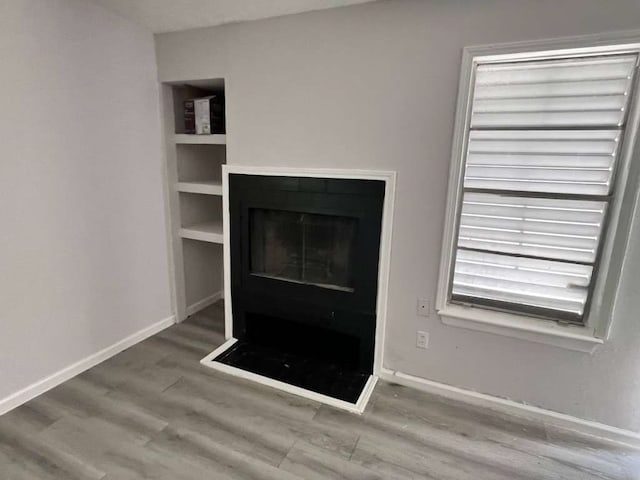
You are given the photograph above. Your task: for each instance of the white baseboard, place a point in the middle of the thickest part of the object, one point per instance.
(61, 376)
(560, 420)
(204, 303)
(357, 407)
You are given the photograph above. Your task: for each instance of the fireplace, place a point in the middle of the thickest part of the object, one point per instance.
(305, 248)
(304, 258)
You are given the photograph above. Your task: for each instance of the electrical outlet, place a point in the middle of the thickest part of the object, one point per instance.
(422, 340)
(423, 307)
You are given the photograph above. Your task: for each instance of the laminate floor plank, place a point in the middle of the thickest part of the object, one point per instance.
(223, 388)
(270, 427)
(14, 466)
(211, 318)
(29, 418)
(198, 347)
(115, 377)
(52, 459)
(472, 442)
(91, 437)
(450, 413)
(386, 447)
(566, 446)
(139, 462)
(401, 460)
(466, 449)
(266, 447)
(154, 412)
(200, 334)
(223, 458)
(122, 413)
(313, 463)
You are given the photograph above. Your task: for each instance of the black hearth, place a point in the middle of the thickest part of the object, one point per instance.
(304, 271)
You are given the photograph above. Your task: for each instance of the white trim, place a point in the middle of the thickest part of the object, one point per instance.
(571, 337)
(226, 254)
(454, 191)
(177, 294)
(204, 303)
(358, 407)
(61, 376)
(624, 205)
(556, 419)
(219, 350)
(384, 267)
(388, 177)
(578, 45)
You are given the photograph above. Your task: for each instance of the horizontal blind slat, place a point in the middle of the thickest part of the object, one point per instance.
(553, 89)
(549, 119)
(540, 160)
(546, 284)
(579, 92)
(530, 236)
(564, 69)
(540, 227)
(520, 276)
(521, 300)
(550, 228)
(550, 104)
(523, 173)
(511, 287)
(531, 154)
(531, 250)
(476, 225)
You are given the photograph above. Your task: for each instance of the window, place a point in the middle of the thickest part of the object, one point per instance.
(541, 164)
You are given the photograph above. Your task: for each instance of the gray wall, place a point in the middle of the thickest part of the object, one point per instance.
(374, 86)
(83, 259)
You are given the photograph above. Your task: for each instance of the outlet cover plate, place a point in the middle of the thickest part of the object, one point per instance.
(422, 340)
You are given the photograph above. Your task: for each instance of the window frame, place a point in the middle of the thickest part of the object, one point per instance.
(597, 321)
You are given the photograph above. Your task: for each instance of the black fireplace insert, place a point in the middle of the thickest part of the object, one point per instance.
(304, 277)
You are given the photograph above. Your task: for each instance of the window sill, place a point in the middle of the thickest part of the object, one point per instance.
(571, 337)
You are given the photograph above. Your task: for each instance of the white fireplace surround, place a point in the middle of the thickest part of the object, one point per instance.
(389, 178)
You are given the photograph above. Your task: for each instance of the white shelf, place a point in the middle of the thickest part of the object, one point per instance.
(205, 232)
(191, 139)
(206, 188)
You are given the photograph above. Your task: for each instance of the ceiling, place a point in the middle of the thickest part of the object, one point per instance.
(171, 15)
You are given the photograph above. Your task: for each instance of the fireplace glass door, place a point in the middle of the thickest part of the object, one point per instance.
(304, 248)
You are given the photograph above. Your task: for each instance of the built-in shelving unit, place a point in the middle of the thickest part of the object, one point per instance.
(194, 200)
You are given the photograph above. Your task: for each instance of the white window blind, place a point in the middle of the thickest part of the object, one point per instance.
(543, 146)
